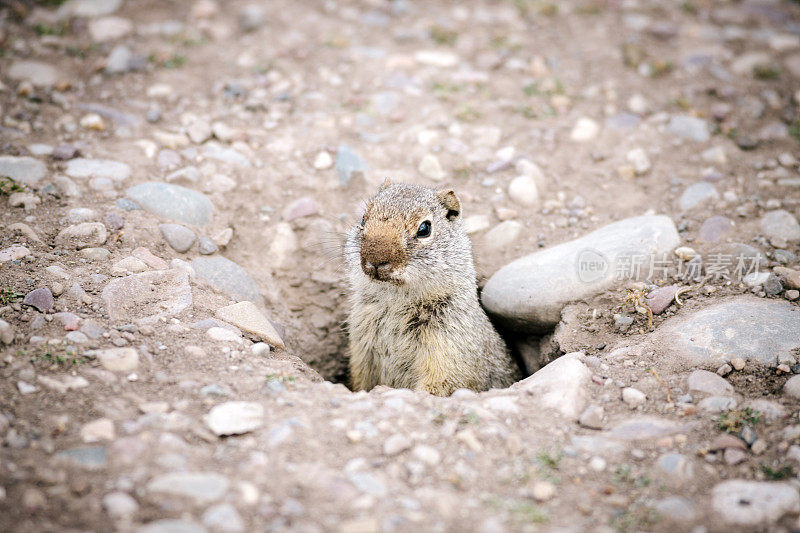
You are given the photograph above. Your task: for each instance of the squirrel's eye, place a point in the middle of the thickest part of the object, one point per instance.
(424, 229)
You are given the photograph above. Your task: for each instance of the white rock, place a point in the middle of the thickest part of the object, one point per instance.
(247, 317)
(639, 160)
(119, 505)
(199, 131)
(223, 132)
(523, 190)
(543, 491)
(436, 58)
(430, 168)
(715, 155)
(127, 266)
(25, 388)
(109, 28)
(754, 503)
(476, 223)
(13, 253)
(633, 397)
(40, 74)
(684, 253)
(93, 121)
(502, 235)
(396, 444)
(65, 383)
(560, 385)
(235, 418)
(427, 454)
(223, 335)
(638, 104)
(260, 349)
(323, 160)
(585, 129)
(118, 359)
(502, 404)
(98, 430)
(531, 292)
(6, 332)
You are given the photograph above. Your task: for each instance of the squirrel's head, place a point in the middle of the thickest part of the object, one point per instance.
(411, 233)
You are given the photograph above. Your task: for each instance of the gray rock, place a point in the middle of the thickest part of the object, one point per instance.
(89, 457)
(252, 17)
(717, 404)
(772, 285)
(64, 152)
(676, 469)
(560, 385)
(147, 296)
(687, 127)
(173, 202)
(41, 299)
(754, 329)
(88, 8)
(97, 168)
(171, 525)
(113, 221)
(76, 337)
(715, 228)
(645, 428)
(792, 387)
(203, 487)
(709, 383)
(750, 256)
(623, 322)
(349, 165)
(223, 517)
(676, 509)
(770, 411)
(206, 246)
(118, 60)
(25, 170)
(227, 276)
(753, 503)
(180, 238)
(235, 418)
(780, 224)
(696, 194)
(67, 187)
(126, 205)
(530, 293)
(39, 74)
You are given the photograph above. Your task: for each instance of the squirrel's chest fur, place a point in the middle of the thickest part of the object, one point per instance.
(405, 339)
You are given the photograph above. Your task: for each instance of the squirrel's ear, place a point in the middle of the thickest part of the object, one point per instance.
(385, 184)
(450, 202)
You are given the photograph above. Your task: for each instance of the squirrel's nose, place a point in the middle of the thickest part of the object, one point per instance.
(377, 271)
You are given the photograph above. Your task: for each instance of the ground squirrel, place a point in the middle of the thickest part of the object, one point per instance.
(415, 320)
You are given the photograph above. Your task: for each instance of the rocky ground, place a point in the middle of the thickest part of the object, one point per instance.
(175, 181)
